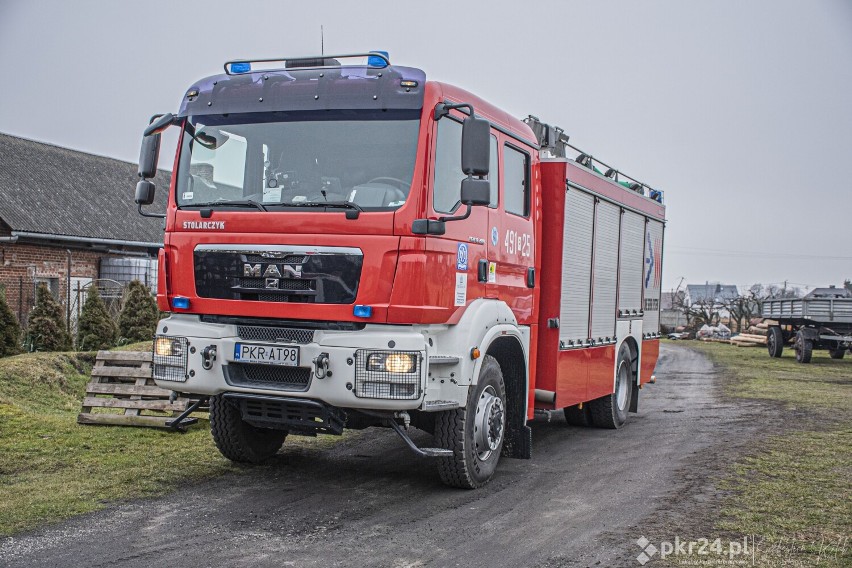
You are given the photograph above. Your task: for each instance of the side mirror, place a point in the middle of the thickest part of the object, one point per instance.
(475, 191)
(145, 192)
(476, 146)
(149, 156)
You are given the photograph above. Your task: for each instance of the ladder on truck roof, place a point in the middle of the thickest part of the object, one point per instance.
(554, 144)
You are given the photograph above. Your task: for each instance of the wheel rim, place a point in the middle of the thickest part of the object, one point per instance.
(489, 424)
(771, 342)
(622, 386)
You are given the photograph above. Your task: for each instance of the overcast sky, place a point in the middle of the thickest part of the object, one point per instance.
(741, 111)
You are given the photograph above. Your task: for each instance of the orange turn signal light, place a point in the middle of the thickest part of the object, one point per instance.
(475, 353)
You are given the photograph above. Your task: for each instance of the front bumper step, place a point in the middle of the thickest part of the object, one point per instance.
(299, 416)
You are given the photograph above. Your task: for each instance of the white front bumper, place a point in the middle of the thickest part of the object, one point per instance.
(337, 389)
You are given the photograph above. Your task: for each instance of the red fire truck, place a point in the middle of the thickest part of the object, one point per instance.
(352, 245)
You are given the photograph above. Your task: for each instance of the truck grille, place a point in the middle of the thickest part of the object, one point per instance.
(278, 273)
(268, 376)
(275, 334)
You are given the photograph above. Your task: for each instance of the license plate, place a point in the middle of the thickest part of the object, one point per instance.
(266, 354)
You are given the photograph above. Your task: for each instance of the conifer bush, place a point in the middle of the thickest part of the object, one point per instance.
(10, 331)
(139, 314)
(95, 328)
(46, 330)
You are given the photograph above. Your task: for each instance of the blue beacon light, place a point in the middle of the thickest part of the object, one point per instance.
(180, 303)
(374, 61)
(241, 67)
(362, 311)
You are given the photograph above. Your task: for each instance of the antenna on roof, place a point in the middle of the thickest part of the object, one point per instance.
(322, 41)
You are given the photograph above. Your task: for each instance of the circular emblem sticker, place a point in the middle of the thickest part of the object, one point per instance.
(494, 236)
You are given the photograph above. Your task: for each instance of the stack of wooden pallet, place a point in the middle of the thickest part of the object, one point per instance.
(122, 389)
(748, 340)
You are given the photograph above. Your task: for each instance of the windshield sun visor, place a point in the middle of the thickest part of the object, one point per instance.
(358, 87)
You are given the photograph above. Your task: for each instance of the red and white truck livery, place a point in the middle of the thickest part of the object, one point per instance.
(352, 245)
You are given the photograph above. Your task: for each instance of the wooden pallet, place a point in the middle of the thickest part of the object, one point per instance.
(121, 380)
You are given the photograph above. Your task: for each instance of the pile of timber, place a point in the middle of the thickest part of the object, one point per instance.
(748, 340)
(122, 389)
(761, 328)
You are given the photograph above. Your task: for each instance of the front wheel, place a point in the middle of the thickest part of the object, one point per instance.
(476, 433)
(804, 348)
(238, 440)
(610, 411)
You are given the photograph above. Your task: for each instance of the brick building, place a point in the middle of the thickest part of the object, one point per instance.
(67, 218)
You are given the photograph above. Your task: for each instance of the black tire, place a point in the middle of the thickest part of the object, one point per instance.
(476, 449)
(775, 341)
(576, 416)
(837, 353)
(611, 410)
(237, 440)
(804, 348)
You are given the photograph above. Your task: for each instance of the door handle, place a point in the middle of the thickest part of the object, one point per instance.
(531, 277)
(482, 270)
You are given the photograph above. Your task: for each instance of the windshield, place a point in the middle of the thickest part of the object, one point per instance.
(292, 159)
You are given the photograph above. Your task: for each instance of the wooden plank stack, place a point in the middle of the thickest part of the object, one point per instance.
(122, 389)
(748, 340)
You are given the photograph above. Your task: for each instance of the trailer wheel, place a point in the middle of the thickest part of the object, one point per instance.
(804, 348)
(610, 411)
(837, 353)
(475, 434)
(236, 439)
(775, 341)
(576, 416)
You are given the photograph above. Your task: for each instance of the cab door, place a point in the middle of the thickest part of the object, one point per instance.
(453, 258)
(511, 235)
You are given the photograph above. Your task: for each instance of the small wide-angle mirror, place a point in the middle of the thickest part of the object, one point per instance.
(475, 191)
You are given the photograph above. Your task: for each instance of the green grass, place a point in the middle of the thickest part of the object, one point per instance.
(795, 492)
(823, 386)
(52, 468)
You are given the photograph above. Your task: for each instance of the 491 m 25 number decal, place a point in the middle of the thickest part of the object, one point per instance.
(518, 243)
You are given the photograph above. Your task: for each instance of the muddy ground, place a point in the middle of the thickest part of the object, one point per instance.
(583, 500)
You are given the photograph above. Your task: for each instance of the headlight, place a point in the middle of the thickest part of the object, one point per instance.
(169, 361)
(168, 347)
(397, 363)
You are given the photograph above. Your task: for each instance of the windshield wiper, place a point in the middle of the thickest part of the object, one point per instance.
(356, 209)
(246, 203)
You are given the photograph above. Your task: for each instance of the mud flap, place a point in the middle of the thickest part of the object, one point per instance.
(518, 443)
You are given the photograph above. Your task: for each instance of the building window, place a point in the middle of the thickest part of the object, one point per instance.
(51, 283)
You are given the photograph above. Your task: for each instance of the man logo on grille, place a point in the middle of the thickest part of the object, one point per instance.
(272, 271)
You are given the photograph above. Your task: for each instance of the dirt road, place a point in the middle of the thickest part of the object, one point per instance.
(582, 500)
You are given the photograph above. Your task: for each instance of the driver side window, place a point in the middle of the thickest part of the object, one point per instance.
(446, 190)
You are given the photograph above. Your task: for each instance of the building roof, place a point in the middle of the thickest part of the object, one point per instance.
(53, 191)
(711, 291)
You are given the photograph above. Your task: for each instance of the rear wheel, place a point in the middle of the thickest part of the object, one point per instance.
(610, 411)
(804, 348)
(238, 440)
(775, 341)
(837, 353)
(475, 434)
